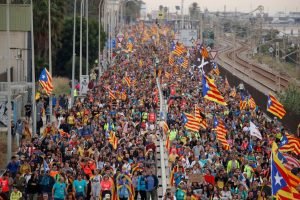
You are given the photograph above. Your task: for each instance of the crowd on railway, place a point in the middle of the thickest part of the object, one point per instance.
(103, 146)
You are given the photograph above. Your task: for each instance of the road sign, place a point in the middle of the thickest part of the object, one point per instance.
(84, 81)
(271, 49)
(213, 54)
(120, 37)
(188, 37)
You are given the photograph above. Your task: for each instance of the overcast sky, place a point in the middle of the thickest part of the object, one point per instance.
(271, 6)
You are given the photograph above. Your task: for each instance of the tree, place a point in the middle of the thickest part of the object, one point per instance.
(63, 65)
(40, 22)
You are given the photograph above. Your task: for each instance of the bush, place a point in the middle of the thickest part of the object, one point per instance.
(290, 98)
(61, 85)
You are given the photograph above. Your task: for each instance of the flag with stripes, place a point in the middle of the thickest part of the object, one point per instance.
(288, 161)
(221, 133)
(45, 80)
(171, 59)
(282, 177)
(275, 107)
(233, 92)
(211, 92)
(243, 103)
(165, 127)
(215, 69)
(111, 95)
(199, 117)
(113, 140)
(204, 52)
(290, 143)
(168, 143)
(167, 75)
(127, 80)
(179, 49)
(123, 96)
(190, 122)
(251, 102)
(185, 62)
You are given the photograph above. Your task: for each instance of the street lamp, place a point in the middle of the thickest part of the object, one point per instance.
(74, 55)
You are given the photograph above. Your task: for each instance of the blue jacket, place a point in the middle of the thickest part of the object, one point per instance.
(152, 182)
(141, 184)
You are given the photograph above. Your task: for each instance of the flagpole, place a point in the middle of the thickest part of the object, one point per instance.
(74, 55)
(33, 75)
(9, 108)
(50, 55)
(87, 37)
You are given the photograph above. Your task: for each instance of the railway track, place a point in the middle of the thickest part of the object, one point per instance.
(272, 80)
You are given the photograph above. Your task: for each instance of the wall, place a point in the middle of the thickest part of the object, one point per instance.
(18, 40)
(289, 120)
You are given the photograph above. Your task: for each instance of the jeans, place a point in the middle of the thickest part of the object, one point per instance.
(152, 194)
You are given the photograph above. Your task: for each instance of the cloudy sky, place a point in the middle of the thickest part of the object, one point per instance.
(271, 6)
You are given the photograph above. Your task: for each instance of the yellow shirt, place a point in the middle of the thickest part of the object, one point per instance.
(16, 195)
(71, 120)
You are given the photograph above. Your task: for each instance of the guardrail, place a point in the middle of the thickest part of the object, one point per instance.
(162, 176)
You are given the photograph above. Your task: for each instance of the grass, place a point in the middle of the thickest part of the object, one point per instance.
(61, 85)
(291, 69)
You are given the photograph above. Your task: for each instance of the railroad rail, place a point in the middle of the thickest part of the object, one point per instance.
(272, 80)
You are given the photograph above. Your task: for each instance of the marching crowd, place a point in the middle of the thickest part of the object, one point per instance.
(103, 146)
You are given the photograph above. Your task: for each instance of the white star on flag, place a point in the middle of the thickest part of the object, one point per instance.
(278, 179)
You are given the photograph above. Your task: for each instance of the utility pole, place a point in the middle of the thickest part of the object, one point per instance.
(182, 16)
(50, 55)
(9, 108)
(33, 74)
(74, 56)
(87, 37)
(80, 51)
(99, 39)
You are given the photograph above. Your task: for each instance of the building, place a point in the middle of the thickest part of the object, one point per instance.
(20, 42)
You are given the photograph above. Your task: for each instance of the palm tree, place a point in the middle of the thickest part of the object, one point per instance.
(40, 20)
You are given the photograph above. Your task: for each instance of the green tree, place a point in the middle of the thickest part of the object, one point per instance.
(63, 65)
(40, 22)
(290, 98)
(194, 11)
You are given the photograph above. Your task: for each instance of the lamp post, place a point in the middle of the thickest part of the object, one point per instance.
(50, 55)
(9, 108)
(74, 55)
(87, 36)
(33, 74)
(80, 53)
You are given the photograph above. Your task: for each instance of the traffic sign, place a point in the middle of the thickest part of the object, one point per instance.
(213, 54)
(271, 49)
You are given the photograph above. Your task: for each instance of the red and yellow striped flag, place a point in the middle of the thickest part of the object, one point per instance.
(211, 92)
(275, 107)
(185, 63)
(167, 75)
(198, 116)
(221, 133)
(204, 52)
(113, 140)
(127, 80)
(190, 122)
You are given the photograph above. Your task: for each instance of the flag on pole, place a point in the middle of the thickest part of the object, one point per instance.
(113, 140)
(275, 107)
(198, 116)
(190, 122)
(289, 143)
(221, 133)
(204, 52)
(46, 81)
(211, 92)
